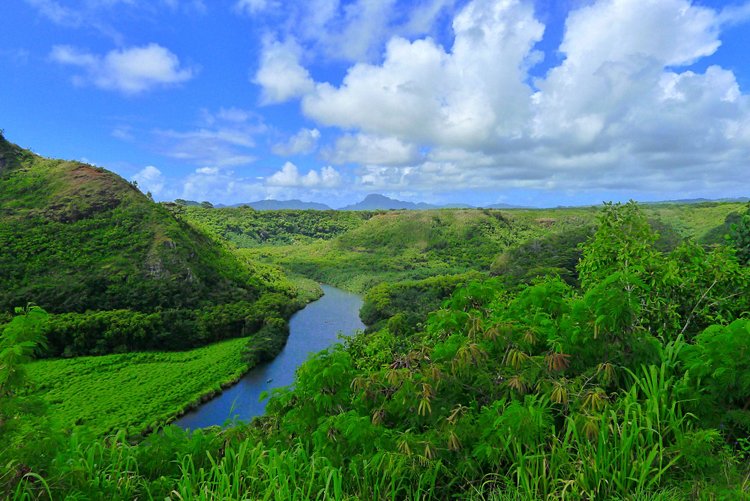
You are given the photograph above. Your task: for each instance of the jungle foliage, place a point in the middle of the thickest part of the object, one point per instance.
(631, 383)
(394, 246)
(246, 227)
(132, 392)
(117, 271)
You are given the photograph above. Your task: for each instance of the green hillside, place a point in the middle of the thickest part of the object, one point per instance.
(78, 237)
(247, 227)
(631, 383)
(413, 245)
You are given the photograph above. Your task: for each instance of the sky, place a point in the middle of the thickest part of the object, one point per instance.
(535, 103)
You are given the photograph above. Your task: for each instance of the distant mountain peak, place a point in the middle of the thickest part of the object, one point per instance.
(376, 201)
(294, 204)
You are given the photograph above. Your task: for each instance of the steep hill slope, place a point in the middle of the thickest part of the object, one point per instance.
(75, 237)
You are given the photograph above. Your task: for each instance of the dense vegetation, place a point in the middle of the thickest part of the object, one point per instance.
(118, 331)
(246, 227)
(133, 392)
(78, 237)
(120, 272)
(393, 246)
(628, 379)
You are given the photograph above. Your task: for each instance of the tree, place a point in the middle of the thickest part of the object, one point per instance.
(18, 342)
(623, 242)
(739, 237)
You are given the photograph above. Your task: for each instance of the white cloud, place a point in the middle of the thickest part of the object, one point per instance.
(57, 13)
(280, 75)
(130, 71)
(733, 15)
(150, 179)
(303, 142)
(123, 133)
(347, 30)
(621, 111)
(227, 138)
(197, 6)
(220, 186)
(368, 149)
(421, 93)
(251, 7)
(289, 176)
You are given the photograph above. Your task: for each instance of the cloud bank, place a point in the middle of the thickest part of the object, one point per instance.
(624, 110)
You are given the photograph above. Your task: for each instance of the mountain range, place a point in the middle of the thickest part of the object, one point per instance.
(370, 202)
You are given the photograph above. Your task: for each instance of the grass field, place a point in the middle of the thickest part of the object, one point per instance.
(134, 391)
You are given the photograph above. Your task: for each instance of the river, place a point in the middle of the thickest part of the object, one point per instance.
(314, 328)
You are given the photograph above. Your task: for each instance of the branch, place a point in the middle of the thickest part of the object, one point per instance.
(696, 306)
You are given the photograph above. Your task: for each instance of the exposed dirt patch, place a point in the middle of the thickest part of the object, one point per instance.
(546, 221)
(88, 191)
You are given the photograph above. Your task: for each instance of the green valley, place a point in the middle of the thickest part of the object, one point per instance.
(571, 353)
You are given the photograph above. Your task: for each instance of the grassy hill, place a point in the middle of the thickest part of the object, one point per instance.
(78, 237)
(520, 243)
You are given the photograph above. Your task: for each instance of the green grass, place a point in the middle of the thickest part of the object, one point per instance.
(134, 391)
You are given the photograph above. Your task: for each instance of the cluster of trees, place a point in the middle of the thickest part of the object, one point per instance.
(405, 305)
(119, 331)
(246, 227)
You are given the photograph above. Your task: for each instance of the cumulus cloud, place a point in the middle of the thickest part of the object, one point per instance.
(624, 109)
(421, 93)
(369, 149)
(303, 142)
(281, 76)
(130, 70)
(349, 31)
(150, 179)
(289, 176)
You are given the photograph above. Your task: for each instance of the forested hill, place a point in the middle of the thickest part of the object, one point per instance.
(357, 250)
(76, 237)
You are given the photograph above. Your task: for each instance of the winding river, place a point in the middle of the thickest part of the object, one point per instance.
(311, 329)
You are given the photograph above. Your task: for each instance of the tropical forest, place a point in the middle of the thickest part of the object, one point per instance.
(374, 250)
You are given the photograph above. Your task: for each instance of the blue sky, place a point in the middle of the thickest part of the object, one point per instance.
(529, 102)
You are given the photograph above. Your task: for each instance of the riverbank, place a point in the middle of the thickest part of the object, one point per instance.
(135, 392)
(312, 329)
(141, 391)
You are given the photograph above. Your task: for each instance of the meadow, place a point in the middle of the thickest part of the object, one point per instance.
(134, 392)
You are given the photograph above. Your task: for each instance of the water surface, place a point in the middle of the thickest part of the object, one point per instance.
(311, 329)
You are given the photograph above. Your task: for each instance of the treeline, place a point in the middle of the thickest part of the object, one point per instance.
(246, 227)
(119, 331)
